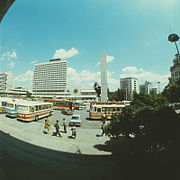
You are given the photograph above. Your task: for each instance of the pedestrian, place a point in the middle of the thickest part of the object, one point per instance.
(73, 129)
(104, 117)
(56, 125)
(64, 125)
(103, 128)
(47, 125)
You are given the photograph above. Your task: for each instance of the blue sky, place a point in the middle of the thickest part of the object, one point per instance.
(133, 33)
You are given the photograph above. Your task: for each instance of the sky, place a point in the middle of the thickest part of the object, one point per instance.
(132, 33)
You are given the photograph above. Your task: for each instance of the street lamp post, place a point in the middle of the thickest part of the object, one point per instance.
(174, 38)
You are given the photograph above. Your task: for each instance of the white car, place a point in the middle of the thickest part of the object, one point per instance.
(75, 120)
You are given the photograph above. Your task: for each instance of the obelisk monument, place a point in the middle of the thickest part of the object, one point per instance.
(103, 77)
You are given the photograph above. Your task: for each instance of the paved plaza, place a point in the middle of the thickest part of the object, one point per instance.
(88, 135)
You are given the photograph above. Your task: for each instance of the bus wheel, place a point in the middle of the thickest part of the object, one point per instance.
(36, 118)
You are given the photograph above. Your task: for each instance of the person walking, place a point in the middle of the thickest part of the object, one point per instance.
(73, 129)
(47, 125)
(64, 125)
(104, 118)
(103, 128)
(56, 125)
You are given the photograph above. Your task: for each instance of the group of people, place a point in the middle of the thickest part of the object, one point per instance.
(57, 128)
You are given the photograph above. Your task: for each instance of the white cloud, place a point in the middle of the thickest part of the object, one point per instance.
(35, 61)
(129, 69)
(8, 55)
(11, 64)
(63, 54)
(143, 75)
(24, 80)
(108, 59)
(86, 79)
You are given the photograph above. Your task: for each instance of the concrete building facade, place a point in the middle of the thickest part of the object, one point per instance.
(129, 85)
(145, 88)
(175, 69)
(6, 81)
(77, 93)
(50, 78)
(154, 90)
(103, 77)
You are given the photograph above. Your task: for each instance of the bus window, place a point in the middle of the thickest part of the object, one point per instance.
(103, 109)
(110, 109)
(31, 109)
(98, 109)
(36, 108)
(114, 109)
(4, 103)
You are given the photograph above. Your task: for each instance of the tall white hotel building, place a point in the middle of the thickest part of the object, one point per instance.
(50, 78)
(129, 85)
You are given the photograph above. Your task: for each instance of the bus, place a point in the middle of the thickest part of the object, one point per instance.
(78, 106)
(11, 107)
(3, 101)
(98, 109)
(92, 103)
(60, 104)
(32, 110)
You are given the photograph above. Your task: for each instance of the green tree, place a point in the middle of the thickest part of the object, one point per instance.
(117, 95)
(172, 92)
(151, 121)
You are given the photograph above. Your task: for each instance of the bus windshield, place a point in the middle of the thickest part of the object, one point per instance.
(9, 105)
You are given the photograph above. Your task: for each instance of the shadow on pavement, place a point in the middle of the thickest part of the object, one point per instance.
(24, 161)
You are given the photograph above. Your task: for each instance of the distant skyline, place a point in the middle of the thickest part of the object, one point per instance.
(133, 34)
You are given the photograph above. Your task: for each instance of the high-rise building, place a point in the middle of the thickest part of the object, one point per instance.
(175, 69)
(129, 85)
(6, 81)
(50, 78)
(145, 88)
(154, 90)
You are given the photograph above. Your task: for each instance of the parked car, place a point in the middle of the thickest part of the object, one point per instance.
(67, 111)
(75, 120)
